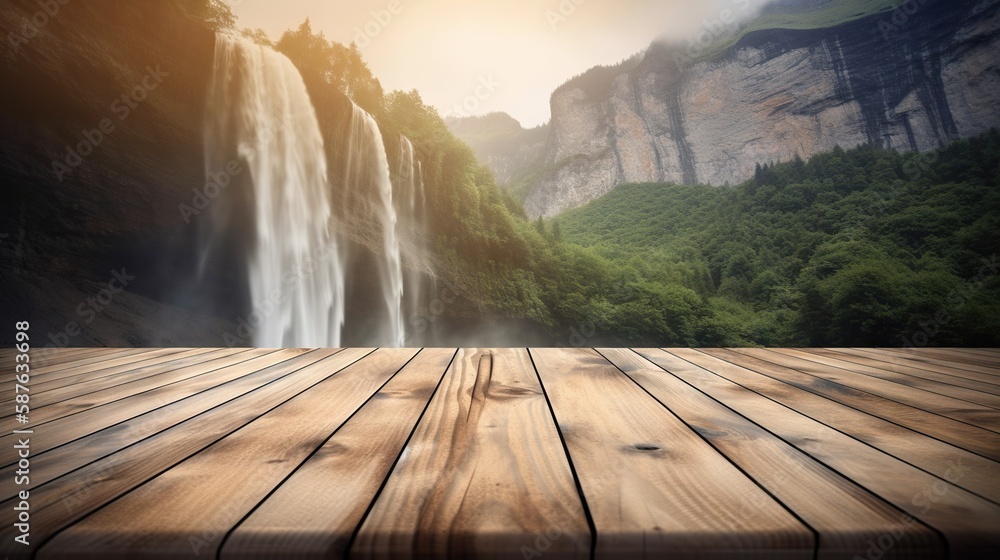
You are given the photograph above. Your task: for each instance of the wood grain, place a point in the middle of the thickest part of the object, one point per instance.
(929, 357)
(971, 380)
(94, 442)
(959, 434)
(932, 455)
(64, 501)
(966, 520)
(78, 384)
(969, 413)
(93, 362)
(508, 486)
(191, 507)
(315, 512)
(918, 361)
(651, 483)
(749, 453)
(86, 396)
(909, 379)
(99, 415)
(845, 515)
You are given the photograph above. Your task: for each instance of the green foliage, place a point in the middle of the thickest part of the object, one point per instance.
(333, 63)
(864, 247)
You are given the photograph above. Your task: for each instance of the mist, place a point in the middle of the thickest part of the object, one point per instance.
(506, 56)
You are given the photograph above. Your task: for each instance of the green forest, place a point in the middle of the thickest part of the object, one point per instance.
(864, 247)
(860, 247)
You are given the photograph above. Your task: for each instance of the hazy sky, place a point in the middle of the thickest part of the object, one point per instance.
(519, 50)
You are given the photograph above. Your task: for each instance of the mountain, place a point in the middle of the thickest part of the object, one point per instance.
(800, 80)
(508, 149)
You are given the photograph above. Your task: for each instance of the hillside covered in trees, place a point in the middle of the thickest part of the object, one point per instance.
(865, 247)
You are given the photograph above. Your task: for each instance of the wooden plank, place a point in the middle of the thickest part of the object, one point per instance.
(316, 511)
(783, 368)
(967, 521)
(969, 413)
(49, 392)
(991, 354)
(97, 369)
(652, 485)
(101, 414)
(64, 361)
(40, 356)
(924, 357)
(89, 396)
(949, 359)
(960, 356)
(92, 362)
(119, 372)
(509, 486)
(189, 508)
(845, 516)
(68, 377)
(193, 398)
(43, 357)
(300, 518)
(59, 504)
(932, 455)
(970, 379)
(908, 379)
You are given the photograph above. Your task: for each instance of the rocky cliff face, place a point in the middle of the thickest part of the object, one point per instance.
(101, 119)
(907, 80)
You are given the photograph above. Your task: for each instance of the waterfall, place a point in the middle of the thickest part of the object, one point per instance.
(261, 122)
(411, 204)
(368, 179)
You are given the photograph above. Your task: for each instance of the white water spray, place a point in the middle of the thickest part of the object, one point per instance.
(259, 115)
(411, 205)
(368, 166)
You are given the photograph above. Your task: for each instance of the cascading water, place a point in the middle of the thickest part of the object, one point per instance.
(411, 206)
(368, 168)
(260, 117)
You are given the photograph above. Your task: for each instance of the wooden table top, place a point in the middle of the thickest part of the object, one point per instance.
(505, 453)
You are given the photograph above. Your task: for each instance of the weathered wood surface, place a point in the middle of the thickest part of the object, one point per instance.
(508, 453)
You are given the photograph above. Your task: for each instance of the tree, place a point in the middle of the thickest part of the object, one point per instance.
(216, 14)
(258, 36)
